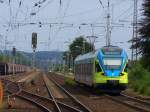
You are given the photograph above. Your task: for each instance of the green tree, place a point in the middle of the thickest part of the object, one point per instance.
(79, 46)
(143, 41)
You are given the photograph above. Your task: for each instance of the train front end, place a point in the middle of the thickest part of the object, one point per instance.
(113, 64)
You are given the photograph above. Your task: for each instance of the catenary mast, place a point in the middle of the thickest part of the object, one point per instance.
(135, 29)
(108, 30)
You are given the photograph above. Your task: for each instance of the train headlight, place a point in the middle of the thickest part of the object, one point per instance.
(103, 74)
(121, 74)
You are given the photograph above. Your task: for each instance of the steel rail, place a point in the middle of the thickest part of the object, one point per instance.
(36, 103)
(132, 103)
(12, 89)
(42, 107)
(51, 95)
(41, 97)
(86, 109)
(60, 103)
(36, 99)
(136, 99)
(51, 100)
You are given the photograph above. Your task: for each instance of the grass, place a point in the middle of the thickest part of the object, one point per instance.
(69, 81)
(139, 79)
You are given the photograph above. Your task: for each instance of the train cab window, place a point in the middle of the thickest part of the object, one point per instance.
(97, 67)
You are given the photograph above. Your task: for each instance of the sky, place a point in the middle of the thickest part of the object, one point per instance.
(59, 22)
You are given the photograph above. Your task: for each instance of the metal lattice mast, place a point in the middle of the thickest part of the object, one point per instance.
(108, 33)
(135, 29)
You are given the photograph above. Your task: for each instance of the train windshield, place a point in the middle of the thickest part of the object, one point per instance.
(112, 63)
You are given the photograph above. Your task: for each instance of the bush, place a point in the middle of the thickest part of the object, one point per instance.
(145, 61)
(147, 91)
(137, 72)
(139, 79)
(69, 81)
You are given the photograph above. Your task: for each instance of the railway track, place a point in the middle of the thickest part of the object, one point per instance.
(45, 104)
(70, 104)
(135, 103)
(132, 102)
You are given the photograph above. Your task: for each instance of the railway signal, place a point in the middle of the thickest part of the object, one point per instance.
(34, 40)
(34, 46)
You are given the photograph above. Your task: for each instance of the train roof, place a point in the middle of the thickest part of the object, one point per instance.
(111, 48)
(92, 55)
(89, 55)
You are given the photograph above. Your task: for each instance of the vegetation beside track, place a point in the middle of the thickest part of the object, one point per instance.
(140, 72)
(69, 81)
(69, 78)
(139, 78)
(19, 58)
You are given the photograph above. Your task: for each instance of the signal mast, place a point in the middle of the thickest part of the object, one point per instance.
(34, 46)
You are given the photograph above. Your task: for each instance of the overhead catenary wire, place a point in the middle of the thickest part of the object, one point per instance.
(41, 8)
(60, 2)
(36, 11)
(73, 15)
(66, 16)
(119, 2)
(67, 7)
(19, 6)
(101, 4)
(10, 14)
(124, 12)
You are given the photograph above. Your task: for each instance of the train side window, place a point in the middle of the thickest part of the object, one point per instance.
(98, 68)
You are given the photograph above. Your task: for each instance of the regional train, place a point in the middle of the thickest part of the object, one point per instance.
(106, 68)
